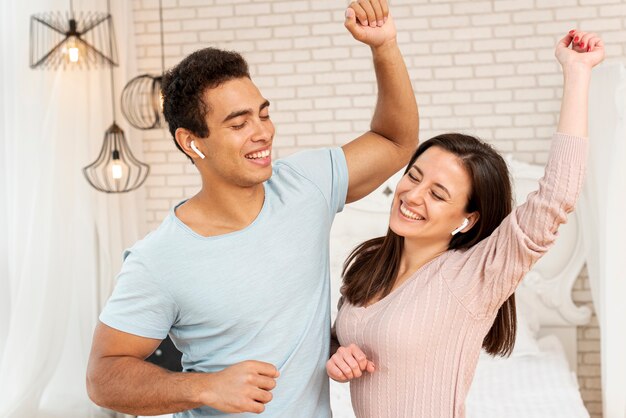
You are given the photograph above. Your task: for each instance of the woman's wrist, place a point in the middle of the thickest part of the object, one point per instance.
(577, 71)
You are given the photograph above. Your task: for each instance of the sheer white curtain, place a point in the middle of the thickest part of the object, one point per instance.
(605, 229)
(60, 240)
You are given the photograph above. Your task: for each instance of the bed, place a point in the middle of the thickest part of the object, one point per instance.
(539, 379)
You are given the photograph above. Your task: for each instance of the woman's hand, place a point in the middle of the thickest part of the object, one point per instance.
(369, 21)
(587, 50)
(348, 363)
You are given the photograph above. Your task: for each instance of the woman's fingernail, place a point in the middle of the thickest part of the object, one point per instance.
(576, 39)
(365, 23)
(380, 23)
(572, 31)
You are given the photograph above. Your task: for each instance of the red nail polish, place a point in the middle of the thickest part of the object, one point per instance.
(576, 39)
(572, 31)
(582, 44)
(589, 48)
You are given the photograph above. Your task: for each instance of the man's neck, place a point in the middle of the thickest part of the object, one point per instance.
(218, 211)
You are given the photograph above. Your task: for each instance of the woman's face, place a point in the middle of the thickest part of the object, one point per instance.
(430, 200)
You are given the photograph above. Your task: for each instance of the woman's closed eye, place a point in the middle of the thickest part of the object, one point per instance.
(436, 196)
(432, 192)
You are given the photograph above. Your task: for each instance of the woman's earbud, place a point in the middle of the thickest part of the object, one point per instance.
(196, 150)
(460, 228)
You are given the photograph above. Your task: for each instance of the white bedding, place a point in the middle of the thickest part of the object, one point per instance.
(534, 386)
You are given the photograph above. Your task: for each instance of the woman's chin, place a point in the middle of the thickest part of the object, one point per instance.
(397, 229)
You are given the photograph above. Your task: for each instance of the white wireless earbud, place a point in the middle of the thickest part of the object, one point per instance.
(460, 228)
(196, 150)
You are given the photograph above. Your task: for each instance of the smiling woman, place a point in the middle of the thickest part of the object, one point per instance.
(544, 308)
(419, 303)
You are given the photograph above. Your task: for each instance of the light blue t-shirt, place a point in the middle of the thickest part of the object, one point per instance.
(261, 293)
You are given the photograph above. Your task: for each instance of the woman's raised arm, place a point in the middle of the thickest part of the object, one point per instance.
(587, 51)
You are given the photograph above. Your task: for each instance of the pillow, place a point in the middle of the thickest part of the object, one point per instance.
(527, 330)
(526, 339)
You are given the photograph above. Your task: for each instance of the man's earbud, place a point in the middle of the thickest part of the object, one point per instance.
(196, 150)
(460, 228)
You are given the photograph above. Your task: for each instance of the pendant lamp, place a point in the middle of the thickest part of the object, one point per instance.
(142, 102)
(116, 170)
(72, 41)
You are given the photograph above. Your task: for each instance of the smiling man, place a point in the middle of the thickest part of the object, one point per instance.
(238, 274)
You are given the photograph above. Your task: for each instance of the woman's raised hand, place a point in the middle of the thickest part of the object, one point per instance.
(348, 363)
(587, 50)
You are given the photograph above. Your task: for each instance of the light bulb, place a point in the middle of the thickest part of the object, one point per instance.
(73, 53)
(72, 50)
(116, 170)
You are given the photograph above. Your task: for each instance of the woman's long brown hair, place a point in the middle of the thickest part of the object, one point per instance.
(372, 267)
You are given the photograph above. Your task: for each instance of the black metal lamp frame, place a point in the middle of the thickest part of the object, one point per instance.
(142, 104)
(54, 34)
(116, 170)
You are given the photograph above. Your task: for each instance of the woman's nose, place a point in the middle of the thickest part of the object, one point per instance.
(416, 194)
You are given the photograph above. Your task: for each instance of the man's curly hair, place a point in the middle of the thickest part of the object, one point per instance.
(184, 85)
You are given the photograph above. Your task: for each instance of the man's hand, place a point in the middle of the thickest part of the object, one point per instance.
(242, 387)
(119, 378)
(348, 363)
(369, 21)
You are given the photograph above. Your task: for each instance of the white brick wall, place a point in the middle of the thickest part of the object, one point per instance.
(481, 67)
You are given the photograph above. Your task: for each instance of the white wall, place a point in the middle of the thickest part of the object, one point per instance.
(481, 67)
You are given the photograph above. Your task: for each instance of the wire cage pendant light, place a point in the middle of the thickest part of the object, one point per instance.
(142, 102)
(72, 41)
(116, 170)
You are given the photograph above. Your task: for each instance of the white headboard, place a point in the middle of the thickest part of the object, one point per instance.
(547, 288)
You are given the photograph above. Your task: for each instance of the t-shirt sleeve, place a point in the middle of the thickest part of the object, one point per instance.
(139, 305)
(328, 170)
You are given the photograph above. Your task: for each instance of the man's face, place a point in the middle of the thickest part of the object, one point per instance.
(240, 138)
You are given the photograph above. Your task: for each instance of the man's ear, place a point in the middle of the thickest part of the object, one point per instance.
(184, 139)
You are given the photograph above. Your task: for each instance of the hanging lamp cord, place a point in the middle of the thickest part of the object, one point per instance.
(111, 51)
(162, 41)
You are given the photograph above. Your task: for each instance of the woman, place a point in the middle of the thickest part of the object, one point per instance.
(419, 303)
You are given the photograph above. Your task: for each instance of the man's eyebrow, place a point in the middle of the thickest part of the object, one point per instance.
(439, 185)
(243, 112)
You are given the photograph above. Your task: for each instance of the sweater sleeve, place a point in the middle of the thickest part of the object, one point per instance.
(484, 276)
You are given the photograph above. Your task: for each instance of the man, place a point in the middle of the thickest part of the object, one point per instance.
(238, 274)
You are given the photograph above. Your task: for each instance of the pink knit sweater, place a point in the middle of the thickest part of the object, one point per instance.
(425, 337)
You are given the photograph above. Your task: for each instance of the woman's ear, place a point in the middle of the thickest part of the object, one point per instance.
(472, 219)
